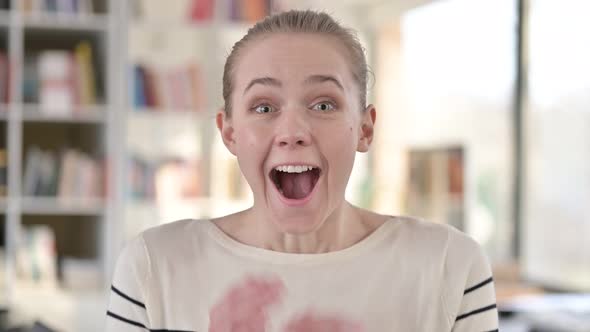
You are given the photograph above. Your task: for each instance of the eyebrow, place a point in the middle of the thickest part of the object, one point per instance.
(264, 81)
(323, 78)
(270, 81)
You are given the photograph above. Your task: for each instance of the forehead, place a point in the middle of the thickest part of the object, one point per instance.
(291, 57)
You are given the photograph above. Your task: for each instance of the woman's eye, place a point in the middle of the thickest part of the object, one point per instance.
(263, 109)
(323, 106)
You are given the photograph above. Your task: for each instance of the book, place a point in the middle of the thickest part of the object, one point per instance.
(234, 10)
(4, 78)
(30, 84)
(31, 176)
(201, 10)
(80, 176)
(249, 10)
(66, 175)
(177, 180)
(36, 259)
(55, 7)
(197, 88)
(34, 7)
(3, 173)
(63, 80)
(47, 181)
(164, 180)
(150, 87)
(138, 88)
(85, 78)
(178, 88)
(50, 6)
(167, 87)
(55, 74)
(85, 7)
(142, 178)
(254, 10)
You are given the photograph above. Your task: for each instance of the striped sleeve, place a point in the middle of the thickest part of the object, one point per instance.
(127, 303)
(470, 295)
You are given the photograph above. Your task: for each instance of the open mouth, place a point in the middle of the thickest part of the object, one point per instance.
(295, 182)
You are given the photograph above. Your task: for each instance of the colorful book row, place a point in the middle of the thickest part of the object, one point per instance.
(179, 88)
(69, 174)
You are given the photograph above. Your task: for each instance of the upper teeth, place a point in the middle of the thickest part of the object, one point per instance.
(294, 169)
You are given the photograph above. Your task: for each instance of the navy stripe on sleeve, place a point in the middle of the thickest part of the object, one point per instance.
(129, 321)
(123, 319)
(481, 284)
(475, 312)
(128, 298)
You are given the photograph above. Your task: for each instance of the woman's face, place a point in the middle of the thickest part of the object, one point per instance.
(295, 126)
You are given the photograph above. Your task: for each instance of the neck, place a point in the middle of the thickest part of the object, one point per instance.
(344, 227)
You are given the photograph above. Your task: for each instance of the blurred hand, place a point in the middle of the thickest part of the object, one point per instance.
(244, 307)
(311, 322)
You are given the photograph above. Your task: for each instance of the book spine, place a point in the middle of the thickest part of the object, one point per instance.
(67, 174)
(235, 10)
(253, 10)
(75, 6)
(140, 87)
(197, 88)
(31, 175)
(56, 93)
(4, 82)
(150, 89)
(201, 10)
(3, 172)
(51, 6)
(83, 56)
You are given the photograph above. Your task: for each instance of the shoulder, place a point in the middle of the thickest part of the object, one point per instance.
(174, 228)
(440, 237)
(164, 239)
(174, 235)
(459, 261)
(173, 242)
(424, 236)
(453, 251)
(461, 252)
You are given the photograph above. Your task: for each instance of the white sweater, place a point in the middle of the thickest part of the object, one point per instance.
(408, 275)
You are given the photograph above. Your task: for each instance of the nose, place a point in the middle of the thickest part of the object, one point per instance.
(293, 130)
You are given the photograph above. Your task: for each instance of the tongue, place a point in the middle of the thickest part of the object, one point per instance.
(296, 185)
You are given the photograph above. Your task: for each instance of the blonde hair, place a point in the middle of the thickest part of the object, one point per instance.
(297, 21)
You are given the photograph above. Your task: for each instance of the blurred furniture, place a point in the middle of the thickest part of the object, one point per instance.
(60, 86)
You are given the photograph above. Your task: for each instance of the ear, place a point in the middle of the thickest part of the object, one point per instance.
(226, 130)
(367, 128)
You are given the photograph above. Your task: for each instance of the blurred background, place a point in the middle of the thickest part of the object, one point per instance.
(107, 128)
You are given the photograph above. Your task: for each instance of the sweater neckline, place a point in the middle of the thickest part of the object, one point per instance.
(277, 257)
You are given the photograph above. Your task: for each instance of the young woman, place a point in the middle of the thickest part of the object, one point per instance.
(301, 258)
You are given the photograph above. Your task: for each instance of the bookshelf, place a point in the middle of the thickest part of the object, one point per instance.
(60, 113)
(169, 136)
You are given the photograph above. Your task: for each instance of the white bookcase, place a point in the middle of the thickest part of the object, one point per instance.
(163, 39)
(84, 226)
